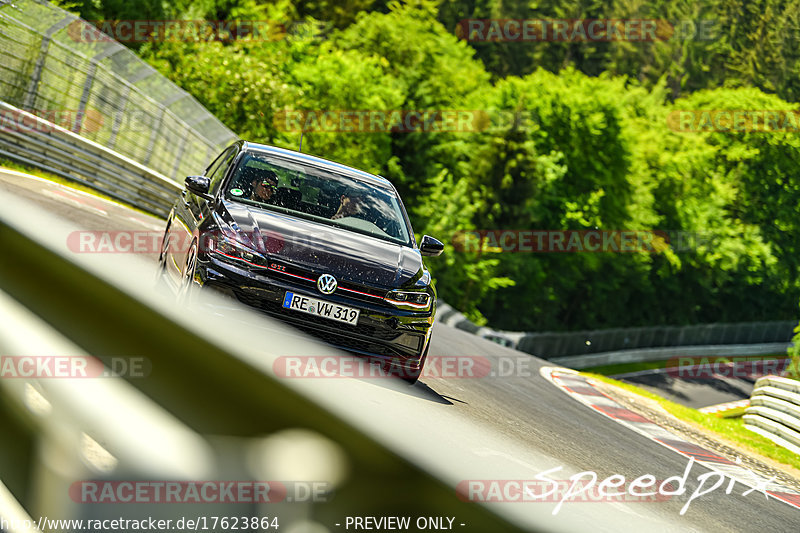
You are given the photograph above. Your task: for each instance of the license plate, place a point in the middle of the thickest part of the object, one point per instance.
(312, 306)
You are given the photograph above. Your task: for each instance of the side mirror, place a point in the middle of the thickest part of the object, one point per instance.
(198, 185)
(430, 246)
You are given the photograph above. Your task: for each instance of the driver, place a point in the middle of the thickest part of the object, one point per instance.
(264, 187)
(349, 205)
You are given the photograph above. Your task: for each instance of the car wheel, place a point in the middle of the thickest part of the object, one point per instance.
(162, 256)
(161, 270)
(188, 274)
(412, 378)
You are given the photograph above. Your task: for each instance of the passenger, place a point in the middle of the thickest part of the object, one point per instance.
(349, 206)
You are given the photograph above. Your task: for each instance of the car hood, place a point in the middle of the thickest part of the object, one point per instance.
(319, 248)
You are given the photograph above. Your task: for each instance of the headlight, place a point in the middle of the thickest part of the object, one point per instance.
(415, 300)
(235, 252)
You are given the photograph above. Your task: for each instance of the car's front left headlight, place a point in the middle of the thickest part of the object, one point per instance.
(413, 300)
(235, 252)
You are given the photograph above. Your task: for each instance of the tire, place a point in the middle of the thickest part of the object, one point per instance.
(162, 256)
(413, 378)
(185, 290)
(159, 281)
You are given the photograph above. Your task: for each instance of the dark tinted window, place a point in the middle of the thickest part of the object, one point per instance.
(214, 164)
(307, 191)
(220, 168)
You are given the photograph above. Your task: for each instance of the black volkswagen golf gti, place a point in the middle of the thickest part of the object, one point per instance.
(322, 246)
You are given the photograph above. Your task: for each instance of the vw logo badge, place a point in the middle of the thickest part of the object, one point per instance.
(326, 284)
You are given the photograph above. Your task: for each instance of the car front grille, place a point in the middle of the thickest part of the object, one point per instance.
(304, 278)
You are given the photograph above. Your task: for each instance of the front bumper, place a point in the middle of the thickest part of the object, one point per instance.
(394, 335)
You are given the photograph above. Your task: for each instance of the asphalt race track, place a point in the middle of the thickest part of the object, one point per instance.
(692, 392)
(504, 423)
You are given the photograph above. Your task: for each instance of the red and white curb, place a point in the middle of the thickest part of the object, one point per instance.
(728, 406)
(583, 390)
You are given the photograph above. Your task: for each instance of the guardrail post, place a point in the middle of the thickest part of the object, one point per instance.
(115, 127)
(182, 147)
(33, 86)
(155, 131)
(176, 97)
(87, 87)
(179, 155)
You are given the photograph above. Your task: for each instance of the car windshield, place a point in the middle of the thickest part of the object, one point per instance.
(310, 192)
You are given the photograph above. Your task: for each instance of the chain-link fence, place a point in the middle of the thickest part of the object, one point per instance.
(102, 91)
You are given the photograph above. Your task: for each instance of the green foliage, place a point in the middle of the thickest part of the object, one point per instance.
(561, 162)
(333, 79)
(243, 84)
(435, 70)
(464, 279)
(761, 170)
(566, 136)
(794, 354)
(339, 13)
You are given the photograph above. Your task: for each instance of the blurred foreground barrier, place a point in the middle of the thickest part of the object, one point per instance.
(208, 412)
(774, 411)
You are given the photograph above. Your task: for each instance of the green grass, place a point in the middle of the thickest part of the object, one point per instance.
(731, 430)
(33, 171)
(624, 368)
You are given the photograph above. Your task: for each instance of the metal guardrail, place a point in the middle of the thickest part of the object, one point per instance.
(774, 411)
(634, 344)
(600, 341)
(101, 92)
(642, 355)
(49, 147)
(446, 314)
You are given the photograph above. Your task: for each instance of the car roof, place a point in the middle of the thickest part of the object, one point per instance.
(318, 162)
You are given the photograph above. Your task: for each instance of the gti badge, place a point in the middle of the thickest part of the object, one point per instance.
(326, 284)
